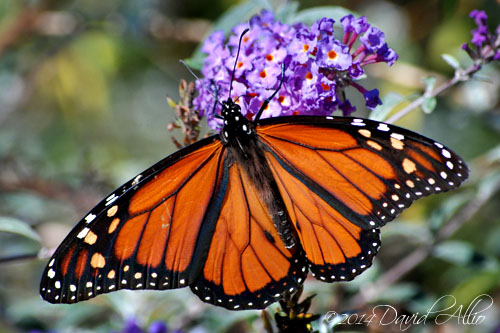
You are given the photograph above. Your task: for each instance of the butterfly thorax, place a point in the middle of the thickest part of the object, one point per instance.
(237, 127)
(244, 149)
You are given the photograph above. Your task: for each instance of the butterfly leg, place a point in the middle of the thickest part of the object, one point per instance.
(266, 102)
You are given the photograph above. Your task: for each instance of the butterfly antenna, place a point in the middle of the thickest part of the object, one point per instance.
(266, 102)
(236, 61)
(189, 69)
(198, 79)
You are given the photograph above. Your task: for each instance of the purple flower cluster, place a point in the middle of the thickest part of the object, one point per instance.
(318, 67)
(132, 326)
(486, 45)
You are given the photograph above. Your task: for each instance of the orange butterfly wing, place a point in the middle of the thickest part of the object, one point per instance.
(248, 266)
(148, 234)
(343, 178)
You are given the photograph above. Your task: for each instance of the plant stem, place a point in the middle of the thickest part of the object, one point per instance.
(460, 75)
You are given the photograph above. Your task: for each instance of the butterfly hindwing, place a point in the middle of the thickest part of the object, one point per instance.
(343, 178)
(337, 249)
(138, 237)
(248, 266)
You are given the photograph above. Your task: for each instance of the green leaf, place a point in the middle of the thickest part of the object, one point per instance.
(429, 104)
(430, 83)
(309, 16)
(389, 101)
(288, 11)
(171, 103)
(236, 14)
(456, 252)
(447, 209)
(417, 232)
(15, 226)
(451, 60)
(399, 292)
(488, 185)
(480, 283)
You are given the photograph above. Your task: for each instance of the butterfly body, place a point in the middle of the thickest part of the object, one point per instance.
(242, 216)
(244, 148)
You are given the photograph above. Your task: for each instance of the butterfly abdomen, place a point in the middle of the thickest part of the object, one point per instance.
(255, 165)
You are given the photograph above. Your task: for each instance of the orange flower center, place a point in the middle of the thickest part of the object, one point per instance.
(332, 54)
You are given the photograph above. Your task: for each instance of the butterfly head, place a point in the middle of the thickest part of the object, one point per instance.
(235, 124)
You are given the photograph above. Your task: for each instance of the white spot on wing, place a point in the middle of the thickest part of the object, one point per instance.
(110, 199)
(90, 218)
(398, 136)
(136, 180)
(383, 127)
(83, 233)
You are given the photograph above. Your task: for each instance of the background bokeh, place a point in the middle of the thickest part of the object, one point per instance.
(83, 86)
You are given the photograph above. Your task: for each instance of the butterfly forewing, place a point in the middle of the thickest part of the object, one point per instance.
(138, 237)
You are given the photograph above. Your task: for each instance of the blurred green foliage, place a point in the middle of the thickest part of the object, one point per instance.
(82, 110)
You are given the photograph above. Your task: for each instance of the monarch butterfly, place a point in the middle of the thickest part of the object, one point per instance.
(242, 216)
